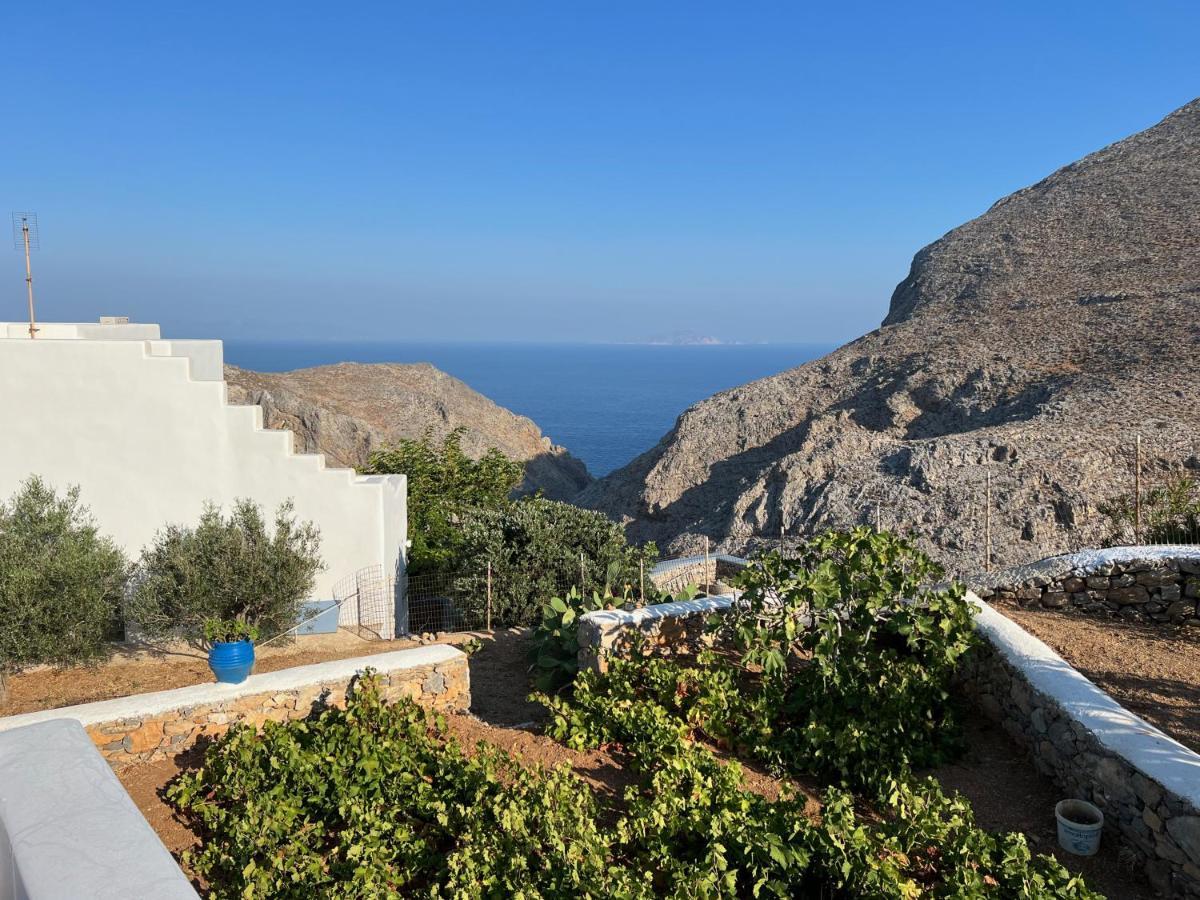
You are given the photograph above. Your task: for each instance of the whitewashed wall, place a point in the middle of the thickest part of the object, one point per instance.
(143, 427)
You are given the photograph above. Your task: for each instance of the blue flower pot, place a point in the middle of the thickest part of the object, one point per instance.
(231, 661)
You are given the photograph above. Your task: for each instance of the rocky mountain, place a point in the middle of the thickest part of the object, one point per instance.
(1029, 346)
(347, 410)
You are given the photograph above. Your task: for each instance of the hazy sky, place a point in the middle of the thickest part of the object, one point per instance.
(562, 171)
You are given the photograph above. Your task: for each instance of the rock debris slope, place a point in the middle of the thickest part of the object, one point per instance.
(1033, 343)
(347, 410)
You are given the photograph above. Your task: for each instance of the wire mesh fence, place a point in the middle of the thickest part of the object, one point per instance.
(478, 599)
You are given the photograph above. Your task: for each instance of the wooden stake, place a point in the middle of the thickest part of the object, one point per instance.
(707, 580)
(987, 525)
(1137, 490)
(582, 573)
(642, 580)
(489, 597)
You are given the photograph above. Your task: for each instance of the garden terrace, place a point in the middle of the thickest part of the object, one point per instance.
(1125, 617)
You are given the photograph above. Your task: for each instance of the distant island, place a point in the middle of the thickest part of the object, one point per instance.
(686, 339)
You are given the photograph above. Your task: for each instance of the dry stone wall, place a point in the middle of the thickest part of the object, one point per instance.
(1149, 584)
(154, 726)
(1147, 784)
(664, 629)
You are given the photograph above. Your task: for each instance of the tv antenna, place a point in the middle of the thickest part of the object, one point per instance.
(25, 237)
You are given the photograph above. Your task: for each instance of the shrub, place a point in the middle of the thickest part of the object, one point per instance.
(227, 576)
(443, 484)
(538, 548)
(1170, 514)
(854, 649)
(61, 581)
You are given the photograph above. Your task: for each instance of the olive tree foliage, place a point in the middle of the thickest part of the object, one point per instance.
(538, 549)
(61, 580)
(443, 484)
(226, 577)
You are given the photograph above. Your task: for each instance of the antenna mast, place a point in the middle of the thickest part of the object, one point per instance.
(25, 236)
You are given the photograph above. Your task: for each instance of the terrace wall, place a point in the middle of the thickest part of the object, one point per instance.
(153, 726)
(1158, 585)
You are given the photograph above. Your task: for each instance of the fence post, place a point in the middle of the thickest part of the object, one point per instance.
(987, 526)
(642, 581)
(781, 536)
(489, 597)
(1137, 490)
(707, 581)
(582, 573)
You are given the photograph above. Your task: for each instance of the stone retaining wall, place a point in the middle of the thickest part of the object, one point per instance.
(1147, 784)
(1138, 584)
(153, 726)
(664, 629)
(675, 575)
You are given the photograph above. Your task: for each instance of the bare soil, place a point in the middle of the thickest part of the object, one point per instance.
(1008, 794)
(995, 775)
(1151, 670)
(143, 668)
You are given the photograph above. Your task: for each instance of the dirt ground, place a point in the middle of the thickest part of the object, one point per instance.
(1008, 794)
(995, 775)
(1151, 670)
(143, 669)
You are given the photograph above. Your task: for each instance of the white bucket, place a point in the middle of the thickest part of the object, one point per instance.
(1079, 826)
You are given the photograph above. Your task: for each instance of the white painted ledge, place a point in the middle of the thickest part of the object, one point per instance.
(608, 619)
(68, 830)
(140, 705)
(1115, 728)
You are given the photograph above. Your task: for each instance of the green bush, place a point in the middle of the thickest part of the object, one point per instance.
(226, 577)
(61, 581)
(540, 548)
(1170, 514)
(443, 485)
(854, 650)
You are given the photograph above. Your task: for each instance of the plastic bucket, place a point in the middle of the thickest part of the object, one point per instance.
(1079, 826)
(231, 661)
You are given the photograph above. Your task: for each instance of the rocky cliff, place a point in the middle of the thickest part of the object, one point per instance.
(1030, 345)
(347, 410)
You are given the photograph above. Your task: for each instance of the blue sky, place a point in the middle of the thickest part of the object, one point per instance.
(543, 171)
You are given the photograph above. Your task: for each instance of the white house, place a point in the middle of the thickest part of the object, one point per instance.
(144, 428)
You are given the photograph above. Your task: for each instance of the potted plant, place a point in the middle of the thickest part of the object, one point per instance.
(226, 581)
(231, 648)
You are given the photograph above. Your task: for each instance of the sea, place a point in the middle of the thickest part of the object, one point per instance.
(606, 403)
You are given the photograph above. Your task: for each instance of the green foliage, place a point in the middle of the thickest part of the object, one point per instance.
(853, 651)
(705, 835)
(225, 630)
(1170, 514)
(554, 644)
(376, 801)
(227, 573)
(61, 581)
(443, 485)
(535, 547)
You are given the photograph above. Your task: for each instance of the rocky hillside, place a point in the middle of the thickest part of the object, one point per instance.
(347, 410)
(1032, 343)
